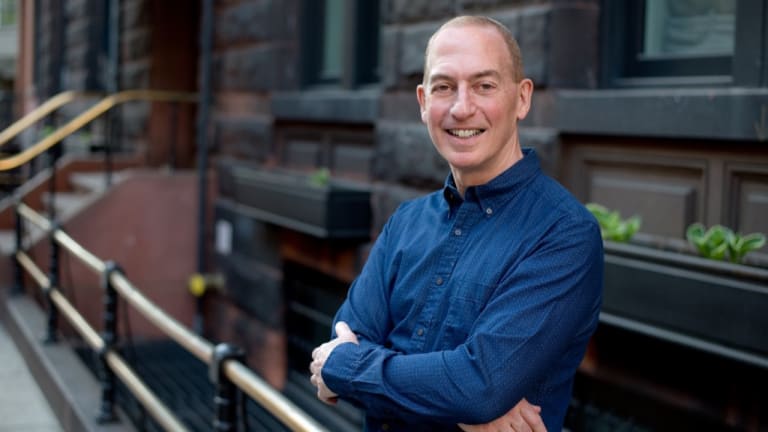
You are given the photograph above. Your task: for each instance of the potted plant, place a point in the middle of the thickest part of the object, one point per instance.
(314, 204)
(709, 303)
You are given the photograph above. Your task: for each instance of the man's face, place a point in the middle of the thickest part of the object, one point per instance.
(470, 102)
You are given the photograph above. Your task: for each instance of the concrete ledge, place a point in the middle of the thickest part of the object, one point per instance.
(709, 113)
(71, 390)
(343, 106)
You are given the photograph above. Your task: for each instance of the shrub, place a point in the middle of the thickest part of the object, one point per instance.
(612, 227)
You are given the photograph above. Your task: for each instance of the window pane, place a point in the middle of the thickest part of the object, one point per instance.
(7, 13)
(688, 28)
(332, 43)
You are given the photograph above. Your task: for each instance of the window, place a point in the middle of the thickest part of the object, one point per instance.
(683, 42)
(7, 13)
(340, 42)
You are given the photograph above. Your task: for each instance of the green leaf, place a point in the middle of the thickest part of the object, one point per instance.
(753, 241)
(320, 178)
(740, 246)
(695, 232)
(718, 252)
(612, 227)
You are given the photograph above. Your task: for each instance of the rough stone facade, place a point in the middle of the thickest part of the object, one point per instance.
(678, 155)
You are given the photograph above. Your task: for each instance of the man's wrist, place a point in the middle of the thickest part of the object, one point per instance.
(340, 367)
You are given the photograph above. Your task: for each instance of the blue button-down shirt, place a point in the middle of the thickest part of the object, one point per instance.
(465, 306)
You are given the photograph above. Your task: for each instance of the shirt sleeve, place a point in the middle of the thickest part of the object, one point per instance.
(543, 310)
(366, 308)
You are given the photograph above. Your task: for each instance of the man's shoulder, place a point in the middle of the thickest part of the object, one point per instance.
(561, 200)
(427, 201)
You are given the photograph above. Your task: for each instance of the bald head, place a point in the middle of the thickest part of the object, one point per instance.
(481, 21)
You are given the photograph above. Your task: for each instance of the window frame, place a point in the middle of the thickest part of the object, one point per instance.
(360, 63)
(621, 26)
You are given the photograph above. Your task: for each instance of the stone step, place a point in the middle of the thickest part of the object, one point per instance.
(67, 204)
(95, 182)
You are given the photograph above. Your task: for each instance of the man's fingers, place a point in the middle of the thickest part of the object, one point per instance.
(343, 331)
(519, 425)
(530, 413)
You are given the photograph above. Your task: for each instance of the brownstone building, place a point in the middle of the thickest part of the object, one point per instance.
(657, 108)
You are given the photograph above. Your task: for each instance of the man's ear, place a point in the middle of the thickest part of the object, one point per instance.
(422, 97)
(525, 93)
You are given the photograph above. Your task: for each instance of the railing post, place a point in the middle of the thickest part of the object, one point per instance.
(54, 154)
(108, 141)
(18, 286)
(53, 282)
(109, 335)
(172, 139)
(225, 400)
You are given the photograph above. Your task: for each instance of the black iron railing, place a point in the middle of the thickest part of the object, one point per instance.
(226, 368)
(225, 362)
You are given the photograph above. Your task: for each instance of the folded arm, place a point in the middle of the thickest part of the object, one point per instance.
(545, 304)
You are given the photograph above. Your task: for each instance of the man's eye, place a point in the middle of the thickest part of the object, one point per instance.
(486, 87)
(441, 88)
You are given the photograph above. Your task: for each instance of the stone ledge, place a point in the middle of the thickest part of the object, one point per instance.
(709, 113)
(343, 106)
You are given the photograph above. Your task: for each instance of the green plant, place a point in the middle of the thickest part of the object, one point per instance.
(612, 226)
(321, 177)
(721, 243)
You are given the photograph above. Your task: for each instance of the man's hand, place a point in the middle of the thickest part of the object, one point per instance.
(523, 417)
(343, 335)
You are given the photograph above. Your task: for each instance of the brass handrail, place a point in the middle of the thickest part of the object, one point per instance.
(245, 379)
(37, 114)
(199, 347)
(89, 115)
(269, 398)
(145, 396)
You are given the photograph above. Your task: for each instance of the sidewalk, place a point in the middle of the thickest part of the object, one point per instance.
(23, 407)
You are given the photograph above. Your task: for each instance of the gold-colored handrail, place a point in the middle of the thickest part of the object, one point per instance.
(244, 378)
(38, 113)
(89, 115)
(145, 396)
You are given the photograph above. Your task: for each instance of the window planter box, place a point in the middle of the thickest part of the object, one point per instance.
(710, 305)
(337, 210)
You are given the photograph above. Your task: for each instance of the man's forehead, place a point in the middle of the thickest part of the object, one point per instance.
(463, 31)
(483, 37)
(468, 46)
(448, 74)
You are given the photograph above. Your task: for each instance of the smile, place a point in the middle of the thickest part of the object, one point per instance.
(465, 133)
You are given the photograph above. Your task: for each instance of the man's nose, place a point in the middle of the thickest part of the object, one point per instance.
(463, 106)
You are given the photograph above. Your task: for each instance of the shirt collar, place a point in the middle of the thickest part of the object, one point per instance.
(497, 191)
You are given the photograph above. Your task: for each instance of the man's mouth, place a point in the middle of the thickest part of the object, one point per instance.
(465, 133)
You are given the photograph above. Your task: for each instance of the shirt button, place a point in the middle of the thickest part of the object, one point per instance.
(420, 332)
(489, 211)
(439, 280)
(457, 231)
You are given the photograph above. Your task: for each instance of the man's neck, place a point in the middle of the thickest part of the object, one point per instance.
(465, 179)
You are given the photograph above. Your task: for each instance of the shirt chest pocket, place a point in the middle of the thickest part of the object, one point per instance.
(464, 306)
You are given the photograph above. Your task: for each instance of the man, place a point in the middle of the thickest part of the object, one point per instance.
(481, 296)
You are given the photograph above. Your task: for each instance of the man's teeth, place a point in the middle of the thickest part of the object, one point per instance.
(465, 133)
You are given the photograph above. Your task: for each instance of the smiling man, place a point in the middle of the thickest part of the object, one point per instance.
(482, 296)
